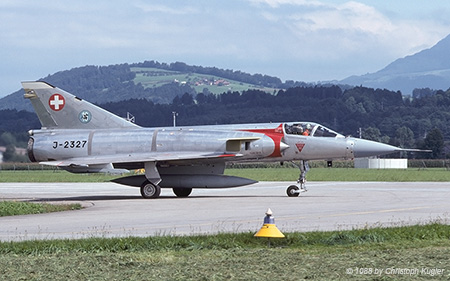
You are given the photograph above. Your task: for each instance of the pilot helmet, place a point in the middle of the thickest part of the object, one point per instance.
(308, 126)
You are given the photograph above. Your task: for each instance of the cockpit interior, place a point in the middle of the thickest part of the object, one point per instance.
(309, 129)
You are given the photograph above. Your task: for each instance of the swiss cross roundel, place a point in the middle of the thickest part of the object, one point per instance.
(56, 102)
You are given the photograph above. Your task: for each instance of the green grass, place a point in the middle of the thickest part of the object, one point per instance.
(13, 208)
(344, 174)
(313, 255)
(52, 176)
(260, 174)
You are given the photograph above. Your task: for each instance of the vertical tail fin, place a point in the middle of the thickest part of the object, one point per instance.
(57, 108)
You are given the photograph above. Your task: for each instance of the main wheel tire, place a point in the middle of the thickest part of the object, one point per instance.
(292, 191)
(182, 192)
(150, 190)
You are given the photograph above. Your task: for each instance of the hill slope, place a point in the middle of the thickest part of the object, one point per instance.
(156, 82)
(429, 68)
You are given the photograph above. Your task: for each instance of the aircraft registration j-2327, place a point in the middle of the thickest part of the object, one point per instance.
(80, 137)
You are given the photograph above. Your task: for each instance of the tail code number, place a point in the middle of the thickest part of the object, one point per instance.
(70, 144)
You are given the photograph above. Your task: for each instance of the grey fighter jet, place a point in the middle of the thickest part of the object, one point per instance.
(80, 137)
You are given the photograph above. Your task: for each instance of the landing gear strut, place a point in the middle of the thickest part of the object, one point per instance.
(295, 190)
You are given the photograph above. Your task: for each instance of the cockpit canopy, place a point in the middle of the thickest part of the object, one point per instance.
(310, 129)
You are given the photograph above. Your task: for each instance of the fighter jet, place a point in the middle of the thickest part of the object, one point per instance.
(80, 137)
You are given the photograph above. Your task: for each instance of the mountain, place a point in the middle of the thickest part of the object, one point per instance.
(429, 68)
(150, 80)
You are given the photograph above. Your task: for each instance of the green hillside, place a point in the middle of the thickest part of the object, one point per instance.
(153, 78)
(156, 82)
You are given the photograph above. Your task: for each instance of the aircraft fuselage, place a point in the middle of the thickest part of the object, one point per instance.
(244, 144)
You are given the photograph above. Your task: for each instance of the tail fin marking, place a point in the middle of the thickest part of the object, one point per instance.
(57, 108)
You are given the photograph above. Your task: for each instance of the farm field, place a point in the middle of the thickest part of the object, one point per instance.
(153, 77)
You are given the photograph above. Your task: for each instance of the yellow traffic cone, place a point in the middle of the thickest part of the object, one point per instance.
(269, 229)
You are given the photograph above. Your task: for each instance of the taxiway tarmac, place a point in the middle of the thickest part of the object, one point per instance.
(113, 210)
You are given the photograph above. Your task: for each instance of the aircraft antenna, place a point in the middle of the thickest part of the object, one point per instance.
(174, 114)
(131, 118)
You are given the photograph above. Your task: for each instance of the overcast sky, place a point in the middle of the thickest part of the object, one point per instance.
(303, 40)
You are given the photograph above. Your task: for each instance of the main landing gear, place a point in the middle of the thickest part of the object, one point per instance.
(295, 190)
(150, 190)
(182, 192)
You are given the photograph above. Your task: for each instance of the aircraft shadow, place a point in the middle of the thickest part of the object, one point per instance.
(86, 198)
(138, 197)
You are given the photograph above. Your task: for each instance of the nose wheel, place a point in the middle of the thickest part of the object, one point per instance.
(295, 190)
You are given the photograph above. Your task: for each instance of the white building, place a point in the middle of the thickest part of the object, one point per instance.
(376, 163)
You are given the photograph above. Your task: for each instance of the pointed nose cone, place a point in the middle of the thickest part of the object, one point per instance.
(367, 148)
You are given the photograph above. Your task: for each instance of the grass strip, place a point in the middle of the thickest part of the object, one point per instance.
(13, 208)
(259, 174)
(344, 174)
(367, 254)
(52, 176)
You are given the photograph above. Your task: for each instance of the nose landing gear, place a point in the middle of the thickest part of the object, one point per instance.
(295, 190)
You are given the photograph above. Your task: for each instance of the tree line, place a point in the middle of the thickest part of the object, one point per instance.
(376, 114)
